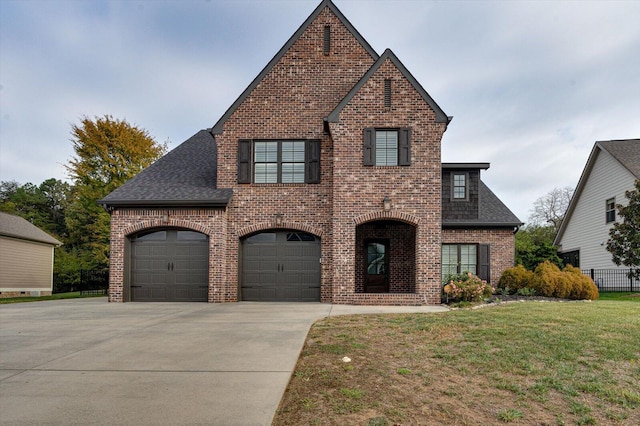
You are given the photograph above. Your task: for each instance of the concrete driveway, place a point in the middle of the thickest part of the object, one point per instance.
(86, 361)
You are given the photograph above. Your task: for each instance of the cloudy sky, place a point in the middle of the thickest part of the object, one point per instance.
(531, 84)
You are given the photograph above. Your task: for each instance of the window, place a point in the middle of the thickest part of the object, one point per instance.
(610, 210)
(387, 147)
(265, 162)
(461, 258)
(459, 186)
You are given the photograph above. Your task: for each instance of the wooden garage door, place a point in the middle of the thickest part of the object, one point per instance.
(281, 266)
(169, 266)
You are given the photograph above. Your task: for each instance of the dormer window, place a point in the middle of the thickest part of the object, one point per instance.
(460, 185)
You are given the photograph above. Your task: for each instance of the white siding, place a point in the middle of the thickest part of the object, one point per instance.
(586, 229)
(25, 265)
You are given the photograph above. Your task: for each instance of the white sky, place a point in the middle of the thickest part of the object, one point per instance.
(532, 85)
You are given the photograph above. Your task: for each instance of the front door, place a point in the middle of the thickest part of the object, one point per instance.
(377, 266)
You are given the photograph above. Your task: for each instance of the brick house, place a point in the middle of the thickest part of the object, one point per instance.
(322, 182)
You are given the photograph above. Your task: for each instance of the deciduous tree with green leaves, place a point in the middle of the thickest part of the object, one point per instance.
(108, 152)
(624, 237)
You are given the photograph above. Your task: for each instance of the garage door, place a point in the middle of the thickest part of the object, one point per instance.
(169, 266)
(282, 266)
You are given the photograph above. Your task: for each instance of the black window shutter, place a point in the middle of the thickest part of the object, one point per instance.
(369, 146)
(404, 147)
(244, 161)
(312, 160)
(484, 262)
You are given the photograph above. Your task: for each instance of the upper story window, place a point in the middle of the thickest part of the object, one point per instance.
(610, 210)
(278, 161)
(460, 184)
(387, 147)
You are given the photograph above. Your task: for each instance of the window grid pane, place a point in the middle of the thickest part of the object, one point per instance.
(279, 162)
(386, 147)
(459, 186)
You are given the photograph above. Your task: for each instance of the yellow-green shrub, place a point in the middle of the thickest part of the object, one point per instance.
(545, 279)
(583, 286)
(515, 278)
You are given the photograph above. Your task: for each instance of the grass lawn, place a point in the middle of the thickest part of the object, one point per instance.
(57, 296)
(542, 363)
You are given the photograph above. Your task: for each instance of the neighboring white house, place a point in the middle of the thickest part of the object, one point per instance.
(26, 258)
(612, 169)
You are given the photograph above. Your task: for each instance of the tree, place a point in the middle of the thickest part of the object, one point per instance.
(551, 208)
(534, 245)
(42, 205)
(108, 153)
(624, 237)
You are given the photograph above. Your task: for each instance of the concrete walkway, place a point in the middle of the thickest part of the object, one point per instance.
(88, 362)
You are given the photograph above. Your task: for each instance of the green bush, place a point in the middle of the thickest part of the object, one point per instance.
(513, 279)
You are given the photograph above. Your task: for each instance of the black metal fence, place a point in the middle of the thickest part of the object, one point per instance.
(86, 282)
(614, 280)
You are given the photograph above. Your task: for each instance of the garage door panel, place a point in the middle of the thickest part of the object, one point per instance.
(281, 269)
(169, 269)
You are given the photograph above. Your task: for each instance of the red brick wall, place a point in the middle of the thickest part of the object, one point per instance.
(291, 103)
(501, 242)
(127, 222)
(358, 190)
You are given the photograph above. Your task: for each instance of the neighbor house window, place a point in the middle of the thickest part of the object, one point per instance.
(387, 147)
(274, 161)
(459, 258)
(610, 210)
(460, 186)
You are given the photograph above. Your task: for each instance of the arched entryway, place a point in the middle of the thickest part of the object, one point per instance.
(280, 266)
(169, 265)
(385, 257)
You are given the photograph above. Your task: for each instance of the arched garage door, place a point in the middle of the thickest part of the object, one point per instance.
(281, 266)
(169, 266)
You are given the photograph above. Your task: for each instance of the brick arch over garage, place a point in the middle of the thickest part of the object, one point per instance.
(268, 226)
(391, 215)
(161, 224)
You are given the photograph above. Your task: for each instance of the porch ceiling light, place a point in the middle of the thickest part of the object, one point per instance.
(386, 203)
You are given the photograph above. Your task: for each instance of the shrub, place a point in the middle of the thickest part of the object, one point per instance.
(515, 278)
(545, 279)
(467, 288)
(583, 285)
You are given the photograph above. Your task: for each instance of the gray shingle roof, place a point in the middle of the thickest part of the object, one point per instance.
(627, 152)
(17, 227)
(493, 213)
(186, 176)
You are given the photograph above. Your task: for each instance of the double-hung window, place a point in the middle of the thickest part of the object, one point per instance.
(459, 181)
(461, 258)
(387, 147)
(610, 210)
(278, 161)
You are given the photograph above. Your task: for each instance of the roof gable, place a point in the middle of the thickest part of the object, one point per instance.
(441, 117)
(219, 126)
(187, 175)
(18, 227)
(626, 152)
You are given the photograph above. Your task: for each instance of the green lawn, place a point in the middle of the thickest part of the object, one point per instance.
(542, 363)
(57, 296)
(626, 297)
